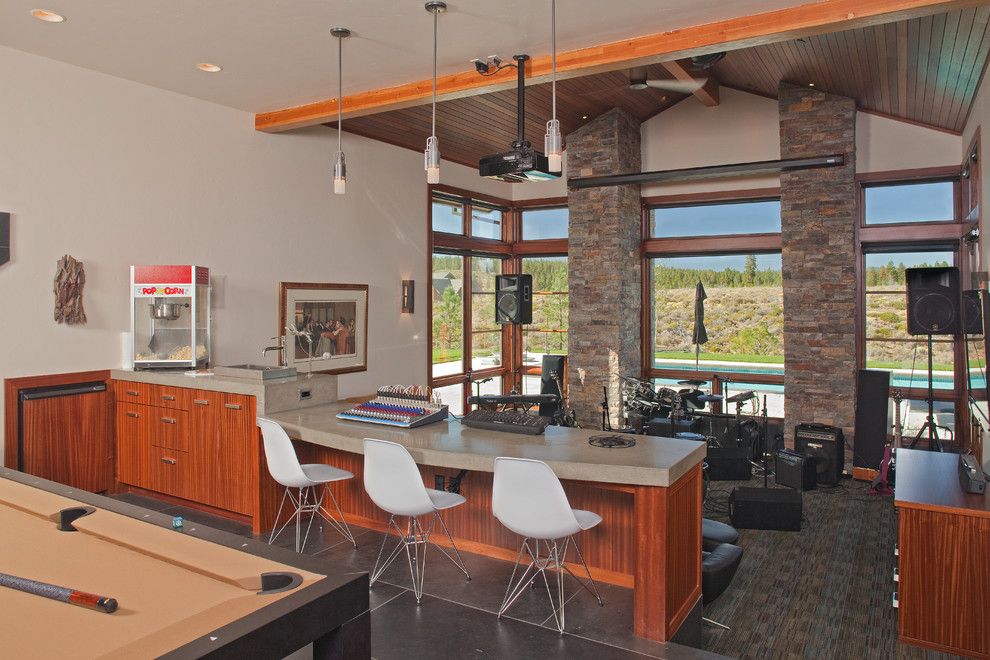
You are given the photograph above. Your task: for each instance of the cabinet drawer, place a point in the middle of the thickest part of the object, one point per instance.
(169, 471)
(170, 429)
(129, 392)
(176, 398)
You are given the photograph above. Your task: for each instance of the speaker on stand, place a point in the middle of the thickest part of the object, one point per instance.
(933, 308)
(513, 306)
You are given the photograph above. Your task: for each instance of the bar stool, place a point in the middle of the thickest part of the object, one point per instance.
(284, 466)
(394, 484)
(528, 499)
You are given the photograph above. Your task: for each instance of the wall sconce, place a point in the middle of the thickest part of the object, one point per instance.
(408, 296)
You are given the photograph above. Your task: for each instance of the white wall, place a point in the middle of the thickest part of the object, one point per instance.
(884, 144)
(116, 173)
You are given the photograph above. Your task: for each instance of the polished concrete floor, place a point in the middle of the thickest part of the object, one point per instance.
(456, 617)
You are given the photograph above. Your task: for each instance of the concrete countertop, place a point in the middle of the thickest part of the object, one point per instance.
(652, 462)
(272, 395)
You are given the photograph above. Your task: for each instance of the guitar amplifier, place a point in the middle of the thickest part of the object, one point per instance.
(765, 508)
(795, 471)
(824, 444)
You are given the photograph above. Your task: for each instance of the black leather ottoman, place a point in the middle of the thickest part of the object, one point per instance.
(714, 533)
(717, 570)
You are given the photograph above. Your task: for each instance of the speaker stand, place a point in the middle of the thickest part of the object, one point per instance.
(934, 443)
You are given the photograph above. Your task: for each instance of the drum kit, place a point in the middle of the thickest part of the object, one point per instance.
(643, 402)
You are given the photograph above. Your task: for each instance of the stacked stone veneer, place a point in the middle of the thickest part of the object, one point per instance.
(604, 267)
(818, 217)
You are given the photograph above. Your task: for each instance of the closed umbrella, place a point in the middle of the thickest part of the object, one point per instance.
(699, 336)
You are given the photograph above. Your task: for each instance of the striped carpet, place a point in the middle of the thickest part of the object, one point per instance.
(823, 592)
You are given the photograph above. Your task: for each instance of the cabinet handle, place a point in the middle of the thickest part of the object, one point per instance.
(232, 406)
(169, 461)
(133, 414)
(201, 402)
(168, 397)
(168, 420)
(133, 393)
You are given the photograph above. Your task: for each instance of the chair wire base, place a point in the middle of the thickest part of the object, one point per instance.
(414, 541)
(553, 559)
(305, 501)
(716, 624)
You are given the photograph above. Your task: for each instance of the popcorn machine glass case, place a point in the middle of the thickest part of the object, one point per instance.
(170, 316)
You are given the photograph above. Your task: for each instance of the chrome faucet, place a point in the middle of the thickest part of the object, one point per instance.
(279, 346)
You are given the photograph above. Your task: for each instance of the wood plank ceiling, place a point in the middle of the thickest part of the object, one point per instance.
(923, 70)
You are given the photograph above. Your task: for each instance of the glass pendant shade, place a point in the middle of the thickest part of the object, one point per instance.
(339, 174)
(552, 146)
(431, 159)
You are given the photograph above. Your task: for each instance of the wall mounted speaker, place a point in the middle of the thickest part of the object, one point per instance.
(933, 301)
(513, 299)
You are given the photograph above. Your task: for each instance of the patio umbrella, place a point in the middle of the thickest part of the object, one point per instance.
(699, 335)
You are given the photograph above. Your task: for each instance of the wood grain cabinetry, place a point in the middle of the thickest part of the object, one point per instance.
(192, 444)
(943, 587)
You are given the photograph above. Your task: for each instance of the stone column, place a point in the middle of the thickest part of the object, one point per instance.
(818, 218)
(604, 266)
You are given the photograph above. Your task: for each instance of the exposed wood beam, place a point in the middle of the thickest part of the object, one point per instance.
(707, 93)
(742, 32)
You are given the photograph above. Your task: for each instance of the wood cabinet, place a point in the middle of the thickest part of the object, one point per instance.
(193, 444)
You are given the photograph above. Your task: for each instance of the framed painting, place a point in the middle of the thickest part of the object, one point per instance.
(325, 326)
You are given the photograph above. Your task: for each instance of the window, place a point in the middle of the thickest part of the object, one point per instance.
(930, 201)
(447, 216)
(486, 222)
(548, 332)
(448, 314)
(888, 344)
(486, 335)
(727, 218)
(538, 224)
(744, 313)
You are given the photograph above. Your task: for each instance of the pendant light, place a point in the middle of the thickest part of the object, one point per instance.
(339, 168)
(431, 157)
(552, 140)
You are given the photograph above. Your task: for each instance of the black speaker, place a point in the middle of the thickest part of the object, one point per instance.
(729, 464)
(513, 299)
(551, 381)
(933, 301)
(794, 470)
(765, 508)
(825, 445)
(972, 312)
(871, 418)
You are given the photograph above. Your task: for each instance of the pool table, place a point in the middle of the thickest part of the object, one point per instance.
(188, 593)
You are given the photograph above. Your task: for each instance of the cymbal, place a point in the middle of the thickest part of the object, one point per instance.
(742, 396)
(692, 383)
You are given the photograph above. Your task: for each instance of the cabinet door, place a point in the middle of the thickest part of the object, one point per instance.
(133, 443)
(237, 442)
(204, 429)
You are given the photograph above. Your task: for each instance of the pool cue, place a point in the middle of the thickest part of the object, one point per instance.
(55, 592)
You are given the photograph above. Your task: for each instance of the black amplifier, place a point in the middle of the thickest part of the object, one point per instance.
(824, 444)
(729, 464)
(765, 508)
(795, 471)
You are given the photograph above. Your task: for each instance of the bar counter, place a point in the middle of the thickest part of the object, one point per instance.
(652, 462)
(649, 497)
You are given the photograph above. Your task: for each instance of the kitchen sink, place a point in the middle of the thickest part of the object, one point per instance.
(261, 372)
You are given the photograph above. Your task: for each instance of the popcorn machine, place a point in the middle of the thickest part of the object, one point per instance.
(170, 316)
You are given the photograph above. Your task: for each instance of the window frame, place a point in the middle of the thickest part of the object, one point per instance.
(695, 246)
(511, 250)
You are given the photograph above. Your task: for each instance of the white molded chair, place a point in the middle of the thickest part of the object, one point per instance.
(284, 466)
(528, 499)
(394, 484)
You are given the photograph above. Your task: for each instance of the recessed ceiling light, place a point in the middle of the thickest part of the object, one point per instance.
(811, 84)
(47, 16)
(584, 116)
(209, 68)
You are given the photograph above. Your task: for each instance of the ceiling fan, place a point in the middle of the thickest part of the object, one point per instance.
(639, 77)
